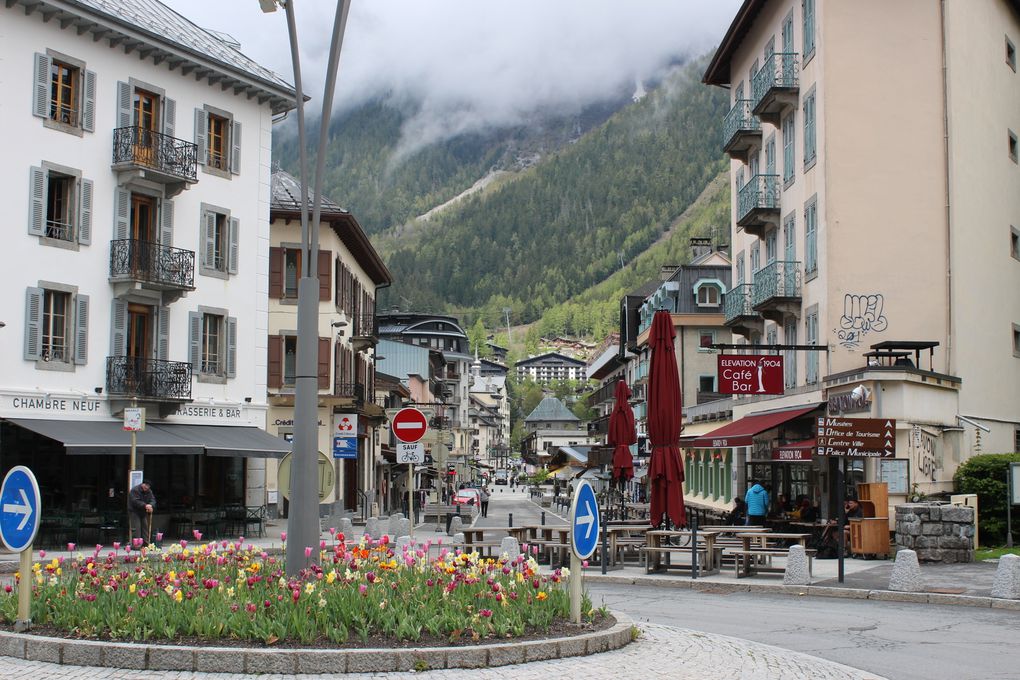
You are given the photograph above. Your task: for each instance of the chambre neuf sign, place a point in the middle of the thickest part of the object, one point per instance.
(750, 374)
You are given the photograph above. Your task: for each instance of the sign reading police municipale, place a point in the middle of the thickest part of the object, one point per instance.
(750, 374)
(856, 437)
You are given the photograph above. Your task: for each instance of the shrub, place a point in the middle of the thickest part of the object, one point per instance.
(986, 476)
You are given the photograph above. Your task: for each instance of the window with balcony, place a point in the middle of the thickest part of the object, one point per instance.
(213, 340)
(61, 205)
(56, 326)
(220, 234)
(811, 237)
(755, 259)
(65, 93)
(218, 139)
(810, 142)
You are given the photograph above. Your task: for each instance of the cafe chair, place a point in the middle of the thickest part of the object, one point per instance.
(255, 517)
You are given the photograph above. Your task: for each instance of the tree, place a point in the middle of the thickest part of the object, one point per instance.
(986, 476)
(477, 336)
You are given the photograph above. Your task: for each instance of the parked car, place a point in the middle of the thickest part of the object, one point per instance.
(468, 497)
(502, 476)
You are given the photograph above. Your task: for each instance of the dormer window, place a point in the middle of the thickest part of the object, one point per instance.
(708, 292)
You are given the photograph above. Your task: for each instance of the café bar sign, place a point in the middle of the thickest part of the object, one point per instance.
(750, 374)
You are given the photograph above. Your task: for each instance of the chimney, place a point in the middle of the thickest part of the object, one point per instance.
(700, 246)
(667, 270)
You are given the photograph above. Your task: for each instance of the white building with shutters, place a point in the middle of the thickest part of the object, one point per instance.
(136, 179)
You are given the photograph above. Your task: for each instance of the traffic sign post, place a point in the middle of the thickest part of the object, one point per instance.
(584, 536)
(20, 508)
(409, 425)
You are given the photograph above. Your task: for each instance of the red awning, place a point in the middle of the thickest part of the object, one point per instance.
(741, 432)
(797, 451)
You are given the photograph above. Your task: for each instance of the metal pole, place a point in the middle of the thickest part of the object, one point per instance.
(575, 588)
(303, 520)
(694, 545)
(605, 546)
(840, 513)
(131, 466)
(1009, 510)
(410, 495)
(24, 621)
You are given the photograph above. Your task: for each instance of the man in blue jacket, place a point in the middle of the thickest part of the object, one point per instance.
(757, 500)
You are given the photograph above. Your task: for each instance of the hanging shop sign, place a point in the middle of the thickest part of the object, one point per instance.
(750, 374)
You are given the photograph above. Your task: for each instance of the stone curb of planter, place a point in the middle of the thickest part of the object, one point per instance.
(979, 601)
(147, 656)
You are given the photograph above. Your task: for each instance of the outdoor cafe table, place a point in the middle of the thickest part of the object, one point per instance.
(621, 535)
(744, 558)
(657, 544)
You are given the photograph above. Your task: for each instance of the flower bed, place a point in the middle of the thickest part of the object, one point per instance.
(364, 590)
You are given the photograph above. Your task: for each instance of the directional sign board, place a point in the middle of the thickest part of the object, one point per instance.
(409, 425)
(410, 453)
(856, 437)
(20, 508)
(584, 521)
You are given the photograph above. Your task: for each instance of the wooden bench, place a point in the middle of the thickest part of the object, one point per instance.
(703, 558)
(441, 510)
(760, 559)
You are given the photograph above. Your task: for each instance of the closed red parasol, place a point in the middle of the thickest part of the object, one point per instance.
(622, 433)
(665, 470)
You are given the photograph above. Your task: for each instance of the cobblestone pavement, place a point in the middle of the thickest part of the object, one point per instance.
(660, 652)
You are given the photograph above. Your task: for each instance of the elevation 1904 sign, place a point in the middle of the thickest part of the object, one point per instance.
(750, 374)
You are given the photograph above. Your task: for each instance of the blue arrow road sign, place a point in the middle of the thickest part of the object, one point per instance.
(345, 447)
(584, 521)
(19, 509)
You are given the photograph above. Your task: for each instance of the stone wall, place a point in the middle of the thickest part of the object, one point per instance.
(937, 533)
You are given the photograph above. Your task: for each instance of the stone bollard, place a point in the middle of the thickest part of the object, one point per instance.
(797, 573)
(375, 510)
(403, 527)
(1007, 578)
(394, 524)
(455, 525)
(373, 528)
(459, 538)
(346, 527)
(509, 547)
(906, 573)
(402, 542)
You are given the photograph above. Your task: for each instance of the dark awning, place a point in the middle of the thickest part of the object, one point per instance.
(742, 432)
(227, 440)
(97, 437)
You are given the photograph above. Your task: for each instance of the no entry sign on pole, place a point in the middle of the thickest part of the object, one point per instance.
(409, 425)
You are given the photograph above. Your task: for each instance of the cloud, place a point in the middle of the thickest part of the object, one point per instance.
(474, 63)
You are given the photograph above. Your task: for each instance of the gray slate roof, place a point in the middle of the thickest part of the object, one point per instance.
(164, 23)
(551, 409)
(287, 195)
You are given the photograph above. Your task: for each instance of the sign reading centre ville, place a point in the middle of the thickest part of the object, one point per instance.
(750, 374)
(857, 437)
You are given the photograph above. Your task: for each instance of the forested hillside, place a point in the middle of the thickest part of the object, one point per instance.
(569, 222)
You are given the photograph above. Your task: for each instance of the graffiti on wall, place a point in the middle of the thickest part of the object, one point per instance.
(926, 450)
(862, 314)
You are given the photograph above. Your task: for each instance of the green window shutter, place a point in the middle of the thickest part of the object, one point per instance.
(202, 135)
(124, 114)
(121, 214)
(88, 118)
(194, 340)
(166, 222)
(81, 329)
(233, 250)
(41, 92)
(33, 323)
(169, 117)
(85, 213)
(231, 346)
(37, 202)
(118, 328)
(163, 333)
(235, 147)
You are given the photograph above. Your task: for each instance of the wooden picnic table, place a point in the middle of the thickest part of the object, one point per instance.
(749, 557)
(623, 536)
(658, 544)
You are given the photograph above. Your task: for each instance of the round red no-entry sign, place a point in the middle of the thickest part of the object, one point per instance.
(409, 425)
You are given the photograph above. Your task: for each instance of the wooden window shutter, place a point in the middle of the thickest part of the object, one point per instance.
(122, 214)
(166, 222)
(81, 329)
(194, 340)
(169, 117)
(231, 322)
(274, 379)
(41, 96)
(201, 135)
(163, 333)
(235, 148)
(118, 328)
(324, 363)
(233, 252)
(88, 118)
(85, 213)
(325, 274)
(37, 209)
(124, 115)
(33, 323)
(276, 273)
(209, 240)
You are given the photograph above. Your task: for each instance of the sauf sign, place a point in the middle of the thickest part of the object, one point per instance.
(750, 374)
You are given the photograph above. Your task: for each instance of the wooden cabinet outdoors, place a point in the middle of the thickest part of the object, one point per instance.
(869, 534)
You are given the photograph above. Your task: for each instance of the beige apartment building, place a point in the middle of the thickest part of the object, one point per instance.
(876, 214)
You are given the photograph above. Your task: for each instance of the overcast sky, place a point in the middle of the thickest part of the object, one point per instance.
(473, 62)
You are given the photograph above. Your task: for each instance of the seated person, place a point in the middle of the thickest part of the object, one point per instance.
(807, 512)
(783, 504)
(738, 515)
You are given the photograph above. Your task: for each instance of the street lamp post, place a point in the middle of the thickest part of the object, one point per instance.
(303, 518)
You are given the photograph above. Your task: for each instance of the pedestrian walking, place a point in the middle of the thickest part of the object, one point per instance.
(485, 501)
(141, 503)
(757, 500)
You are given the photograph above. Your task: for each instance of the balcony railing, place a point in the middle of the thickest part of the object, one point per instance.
(363, 325)
(740, 127)
(167, 267)
(148, 378)
(758, 201)
(775, 86)
(176, 158)
(352, 390)
(602, 394)
(737, 302)
(599, 427)
(778, 281)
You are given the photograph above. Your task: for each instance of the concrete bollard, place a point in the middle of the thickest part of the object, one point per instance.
(402, 542)
(455, 525)
(906, 573)
(797, 573)
(394, 523)
(509, 547)
(458, 538)
(1007, 578)
(373, 528)
(346, 527)
(403, 528)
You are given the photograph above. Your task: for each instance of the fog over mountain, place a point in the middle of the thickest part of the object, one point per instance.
(468, 64)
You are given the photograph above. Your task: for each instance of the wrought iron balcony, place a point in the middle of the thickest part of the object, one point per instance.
(157, 266)
(603, 394)
(738, 312)
(351, 390)
(758, 204)
(777, 290)
(162, 157)
(152, 379)
(776, 86)
(363, 332)
(599, 427)
(741, 130)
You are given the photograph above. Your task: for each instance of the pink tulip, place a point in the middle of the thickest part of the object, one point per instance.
(322, 545)
(308, 552)
(184, 544)
(70, 547)
(584, 563)
(136, 542)
(362, 589)
(332, 531)
(116, 545)
(197, 534)
(159, 535)
(42, 554)
(283, 536)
